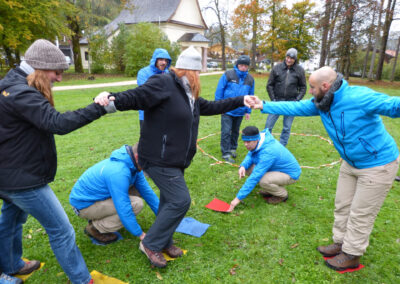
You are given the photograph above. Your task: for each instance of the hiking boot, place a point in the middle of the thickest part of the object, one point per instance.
(173, 251)
(156, 258)
(276, 199)
(343, 261)
(233, 153)
(105, 238)
(331, 250)
(228, 159)
(6, 279)
(265, 194)
(29, 267)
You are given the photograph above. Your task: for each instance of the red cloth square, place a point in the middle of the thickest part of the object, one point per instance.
(218, 205)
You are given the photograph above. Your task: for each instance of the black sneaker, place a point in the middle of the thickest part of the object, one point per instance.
(228, 159)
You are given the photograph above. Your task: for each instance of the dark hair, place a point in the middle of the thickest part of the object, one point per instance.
(250, 131)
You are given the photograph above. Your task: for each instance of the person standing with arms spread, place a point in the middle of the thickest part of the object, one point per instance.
(167, 142)
(351, 116)
(159, 64)
(29, 160)
(234, 82)
(287, 82)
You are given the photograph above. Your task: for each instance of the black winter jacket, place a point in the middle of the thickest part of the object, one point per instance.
(169, 133)
(28, 157)
(287, 84)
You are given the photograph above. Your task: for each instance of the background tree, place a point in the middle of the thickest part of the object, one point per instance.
(144, 38)
(247, 22)
(24, 21)
(391, 4)
(376, 38)
(221, 11)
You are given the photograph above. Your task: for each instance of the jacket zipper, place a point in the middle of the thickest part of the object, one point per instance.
(164, 141)
(337, 136)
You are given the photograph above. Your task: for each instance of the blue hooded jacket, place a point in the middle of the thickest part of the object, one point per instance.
(268, 156)
(150, 70)
(353, 123)
(228, 89)
(111, 178)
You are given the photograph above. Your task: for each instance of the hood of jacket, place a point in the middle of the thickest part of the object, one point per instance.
(240, 74)
(159, 53)
(13, 77)
(265, 137)
(122, 155)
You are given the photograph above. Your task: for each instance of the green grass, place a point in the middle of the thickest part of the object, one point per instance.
(257, 243)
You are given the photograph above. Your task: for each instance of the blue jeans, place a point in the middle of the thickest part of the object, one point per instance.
(229, 133)
(287, 125)
(44, 206)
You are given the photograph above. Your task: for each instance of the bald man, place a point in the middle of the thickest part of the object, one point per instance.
(351, 116)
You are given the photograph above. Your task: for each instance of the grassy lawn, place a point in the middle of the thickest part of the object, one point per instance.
(257, 243)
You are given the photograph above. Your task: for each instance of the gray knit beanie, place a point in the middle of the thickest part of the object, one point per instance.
(292, 52)
(44, 55)
(189, 59)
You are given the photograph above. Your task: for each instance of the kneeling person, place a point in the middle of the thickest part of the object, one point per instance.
(268, 163)
(109, 195)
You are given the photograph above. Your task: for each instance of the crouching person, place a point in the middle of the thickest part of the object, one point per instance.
(268, 163)
(109, 195)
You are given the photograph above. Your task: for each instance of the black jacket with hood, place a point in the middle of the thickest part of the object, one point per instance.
(169, 133)
(28, 157)
(286, 83)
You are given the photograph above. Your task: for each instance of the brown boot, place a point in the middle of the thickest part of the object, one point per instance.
(343, 261)
(156, 258)
(265, 194)
(105, 238)
(331, 250)
(173, 251)
(29, 267)
(276, 200)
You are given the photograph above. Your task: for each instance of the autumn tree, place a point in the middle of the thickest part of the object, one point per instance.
(247, 22)
(27, 20)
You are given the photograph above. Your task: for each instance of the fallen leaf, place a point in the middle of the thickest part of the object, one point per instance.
(159, 276)
(398, 240)
(294, 246)
(198, 245)
(29, 236)
(30, 231)
(60, 274)
(325, 240)
(108, 261)
(233, 270)
(293, 280)
(281, 261)
(193, 203)
(91, 148)
(321, 198)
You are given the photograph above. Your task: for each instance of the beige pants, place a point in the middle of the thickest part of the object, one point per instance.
(274, 182)
(104, 215)
(360, 194)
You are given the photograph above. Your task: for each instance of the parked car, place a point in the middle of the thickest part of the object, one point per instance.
(68, 59)
(212, 64)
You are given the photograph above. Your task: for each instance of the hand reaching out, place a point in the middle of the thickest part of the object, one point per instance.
(103, 98)
(242, 172)
(234, 203)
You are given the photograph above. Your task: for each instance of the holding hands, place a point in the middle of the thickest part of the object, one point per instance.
(103, 99)
(253, 102)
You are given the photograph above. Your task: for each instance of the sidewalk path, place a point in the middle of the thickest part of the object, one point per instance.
(114, 84)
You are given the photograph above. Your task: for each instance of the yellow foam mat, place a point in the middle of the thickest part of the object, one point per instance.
(26, 276)
(168, 258)
(100, 278)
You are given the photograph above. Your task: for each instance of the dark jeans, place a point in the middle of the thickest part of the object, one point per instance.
(174, 203)
(229, 133)
(287, 125)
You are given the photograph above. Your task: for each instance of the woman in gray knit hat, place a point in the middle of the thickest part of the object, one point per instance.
(29, 160)
(167, 144)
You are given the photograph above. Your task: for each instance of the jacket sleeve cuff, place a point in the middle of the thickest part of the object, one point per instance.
(110, 108)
